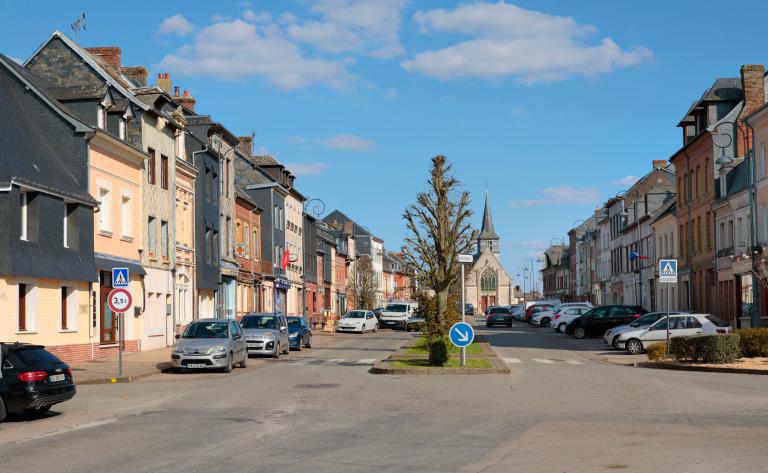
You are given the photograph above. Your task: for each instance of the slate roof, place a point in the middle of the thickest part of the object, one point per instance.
(241, 194)
(338, 217)
(26, 154)
(736, 180)
(487, 232)
(264, 160)
(668, 208)
(722, 90)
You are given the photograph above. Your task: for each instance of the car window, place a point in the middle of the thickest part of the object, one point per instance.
(259, 321)
(32, 357)
(660, 325)
(294, 322)
(718, 322)
(600, 313)
(206, 330)
(686, 323)
(572, 312)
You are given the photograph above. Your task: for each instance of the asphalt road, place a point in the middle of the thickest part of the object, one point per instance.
(321, 411)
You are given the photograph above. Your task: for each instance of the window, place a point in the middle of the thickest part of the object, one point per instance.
(739, 232)
(208, 243)
(151, 236)
(126, 216)
(24, 222)
(216, 247)
(71, 229)
(276, 218)
(164, 238)
(723, 242)
(276, 257)
(68, 308)
(488, 281)
(761, 160)
(226, 176)
(101, 115)
(227, 250)
(729, 237)
(151, 166)
(709, 230)
(121, 129)
(255, 253)
(246, 240)
(22, 319)
(105, 209)
(164, 172)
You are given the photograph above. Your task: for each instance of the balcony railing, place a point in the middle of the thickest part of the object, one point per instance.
(725, 252)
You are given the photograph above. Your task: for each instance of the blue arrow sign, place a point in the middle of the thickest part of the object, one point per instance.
(462, 334)
(120, 277)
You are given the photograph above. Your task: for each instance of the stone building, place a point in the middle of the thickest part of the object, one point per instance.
(487, 282)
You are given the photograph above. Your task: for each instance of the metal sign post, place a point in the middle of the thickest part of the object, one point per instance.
(668, 274)
(463, 259)
(119, 301)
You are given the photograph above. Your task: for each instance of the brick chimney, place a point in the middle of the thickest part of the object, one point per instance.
(164, 82)
(246, 145)
(187, 100)
(659, 164)
(752, 76)
(137, 74)
(109, 55)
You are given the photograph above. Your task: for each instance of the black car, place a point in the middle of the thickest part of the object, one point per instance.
(469, 309)
(377, 312)
(499, 316)
(595, 322)
(33, 380)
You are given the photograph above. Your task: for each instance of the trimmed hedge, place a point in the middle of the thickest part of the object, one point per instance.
(657, 351)
(438, 352)
(717, 349)
(754, 342)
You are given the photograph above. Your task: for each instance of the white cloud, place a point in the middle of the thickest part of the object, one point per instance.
(561, 195)
(307, 169)
(238, 50)
(260, 17)
(509, 41)
(175, 25)
(296, 140)
(626, 181)
(326, 37)
(349, 142)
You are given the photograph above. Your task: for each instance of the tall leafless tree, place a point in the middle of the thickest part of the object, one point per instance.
(364, 283)
(438, 230)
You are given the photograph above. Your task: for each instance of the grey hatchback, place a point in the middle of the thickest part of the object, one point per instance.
(266, 334)
(210, 344)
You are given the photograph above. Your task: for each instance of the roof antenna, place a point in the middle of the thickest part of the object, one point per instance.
(78, 25)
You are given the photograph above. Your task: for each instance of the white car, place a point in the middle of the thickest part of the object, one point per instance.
(396, 314)
(635, 341)
(611, 336)
(358, 321)
(544, 317)
(565, 316)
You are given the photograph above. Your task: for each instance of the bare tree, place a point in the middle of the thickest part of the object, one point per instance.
(364, 284)
(438, 230)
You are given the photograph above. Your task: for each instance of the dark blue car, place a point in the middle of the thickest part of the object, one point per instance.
(299, 333)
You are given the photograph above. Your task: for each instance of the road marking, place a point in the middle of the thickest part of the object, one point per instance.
(334, 361)
(574, 362)
(542, 360)
(304, 361)
(511, 361)
(366, 361)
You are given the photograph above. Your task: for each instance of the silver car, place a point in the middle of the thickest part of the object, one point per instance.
(266, 334)
(210, 344)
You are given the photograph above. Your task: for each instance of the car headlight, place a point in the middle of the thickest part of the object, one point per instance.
(269, 336)
(220, 348)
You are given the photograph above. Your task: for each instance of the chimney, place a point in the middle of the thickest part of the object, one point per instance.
(659, 164)
(137, 75)
(754, 88)
(186, 100)
(176, 91)
(164, 82)
(246, 145)
(109, 55)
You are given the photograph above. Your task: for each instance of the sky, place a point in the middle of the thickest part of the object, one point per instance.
(550, 106)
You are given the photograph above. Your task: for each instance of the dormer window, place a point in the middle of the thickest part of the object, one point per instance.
(101, 116)
(121, 128)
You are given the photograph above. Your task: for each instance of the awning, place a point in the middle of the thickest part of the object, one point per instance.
(107, 262)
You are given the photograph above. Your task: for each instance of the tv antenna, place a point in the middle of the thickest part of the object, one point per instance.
(78, 25)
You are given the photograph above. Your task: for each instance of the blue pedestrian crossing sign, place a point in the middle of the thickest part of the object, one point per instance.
(668, 270)
(119, 277)
(462, 334)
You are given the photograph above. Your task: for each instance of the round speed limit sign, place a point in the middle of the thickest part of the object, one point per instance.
(119, 300)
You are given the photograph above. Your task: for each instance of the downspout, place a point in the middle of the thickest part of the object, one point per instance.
(689, 234)
(749, 155)
(714, 257)
(195, 299)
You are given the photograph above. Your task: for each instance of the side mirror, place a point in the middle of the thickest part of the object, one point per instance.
(178, 336)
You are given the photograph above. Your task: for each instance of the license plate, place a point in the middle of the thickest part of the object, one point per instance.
(56, 378)
(196, 365)
(254, 345)
(389, 323)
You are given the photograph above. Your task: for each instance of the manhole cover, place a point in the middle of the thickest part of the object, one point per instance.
(317, 386)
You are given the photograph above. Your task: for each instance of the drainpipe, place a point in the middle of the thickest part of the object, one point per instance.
(749, 155)
(196, 308)
(714, 258)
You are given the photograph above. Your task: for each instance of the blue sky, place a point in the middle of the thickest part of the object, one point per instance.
(552, 106)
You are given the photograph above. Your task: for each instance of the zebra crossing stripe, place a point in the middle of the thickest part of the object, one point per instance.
(366, 361)
(334, 361)
(304, 361)
(573, 362)
(542, 360)
(511, 361)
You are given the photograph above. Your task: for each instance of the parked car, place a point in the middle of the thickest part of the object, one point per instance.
(416, 323)
(358, 321)
(299, 333)
(536, 308)
(210, 344)
(377, 312)
(595, 322)
(635, 341)
(266, 334)
(545, 317)
(499, 316)
(469, 309)
(396, 314)
(612, 335)
(518, 313)
(562, 317)
(32, 380)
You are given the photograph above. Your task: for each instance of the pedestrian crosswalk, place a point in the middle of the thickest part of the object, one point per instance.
(543, 361)
(331, 362)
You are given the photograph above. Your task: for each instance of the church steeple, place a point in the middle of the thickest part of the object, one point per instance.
(488, 237)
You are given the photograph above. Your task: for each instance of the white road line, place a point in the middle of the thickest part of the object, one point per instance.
(304, 361)
(334, 361)
(542, 360)
(511, 361)
(366, 361)
(574, 362)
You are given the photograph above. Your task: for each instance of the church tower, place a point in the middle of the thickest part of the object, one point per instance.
(488, 237)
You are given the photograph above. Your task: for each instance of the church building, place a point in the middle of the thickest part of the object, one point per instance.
(487, 283)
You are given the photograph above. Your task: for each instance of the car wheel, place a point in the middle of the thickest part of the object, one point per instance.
(36, 411)
(277, 351)
(509, 323)
(579, 333)
(228, 368)
(287, 349)
(634, 346)
(244, 363)
(375, 328)
(309, 342)
(545, 322)
(3, 410)
(300, 345)
(561, 327)
(363, 329)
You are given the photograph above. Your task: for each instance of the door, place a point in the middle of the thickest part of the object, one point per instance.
(108, 319)
(238, 341)
(657, 332)
(685, 326)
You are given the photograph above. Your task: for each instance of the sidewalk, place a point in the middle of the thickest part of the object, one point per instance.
(135, 365)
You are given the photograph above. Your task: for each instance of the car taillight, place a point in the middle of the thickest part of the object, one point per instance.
(69, 372)
(635, 316)
(33, 376)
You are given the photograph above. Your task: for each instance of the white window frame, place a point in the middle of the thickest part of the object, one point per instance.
(152, 236)
(104, 193)
(101, 116)
(32, 306)
(761, 160)
(126, 215)
(66, 223)
(24, 217)
(121, 126)
(72, 314)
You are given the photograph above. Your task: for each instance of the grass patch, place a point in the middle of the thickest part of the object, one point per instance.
(421, 348)
(480, 363)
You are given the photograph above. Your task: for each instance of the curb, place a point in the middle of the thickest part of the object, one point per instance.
(709, 369)
(382, 368)
(117, 379)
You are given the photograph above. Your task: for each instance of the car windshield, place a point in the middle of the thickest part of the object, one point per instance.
(718, 322)
(396, 308)
(259, 321)
(33, 357)
(355, 314)
(294, 322)
(207, 330)
(646, 320)
(498, 310)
